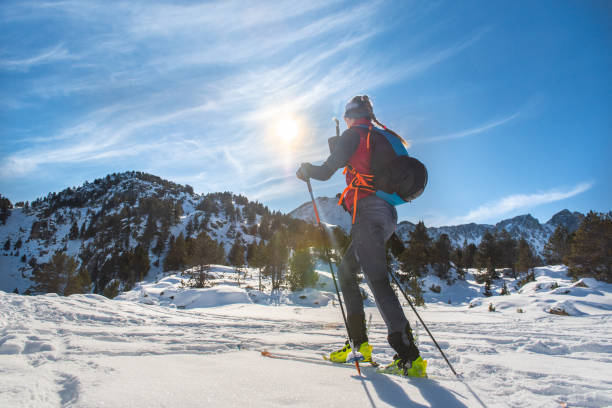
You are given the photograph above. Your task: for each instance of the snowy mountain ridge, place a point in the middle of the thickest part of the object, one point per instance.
(524, 226)
(101, 221)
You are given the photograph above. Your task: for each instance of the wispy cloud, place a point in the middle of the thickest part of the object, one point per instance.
(472, 131)
(512, 203)
(59, 52)
(200, 83)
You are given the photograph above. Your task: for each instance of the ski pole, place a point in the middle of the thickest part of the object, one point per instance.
(422, 322)
(331, 269)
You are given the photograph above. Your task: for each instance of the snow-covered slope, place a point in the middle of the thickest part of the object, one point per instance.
(108, 218)
(146, 351)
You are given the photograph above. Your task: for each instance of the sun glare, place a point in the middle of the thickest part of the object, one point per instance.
(287, 129)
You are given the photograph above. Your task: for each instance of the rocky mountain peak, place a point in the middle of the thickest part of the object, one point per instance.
(570, 220)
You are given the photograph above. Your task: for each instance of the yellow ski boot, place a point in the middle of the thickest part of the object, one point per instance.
(340, 356)
(418, 368)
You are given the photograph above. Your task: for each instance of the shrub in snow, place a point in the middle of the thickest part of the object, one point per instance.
(112, 289)
(435, 288)
(491, 307)
(558, 311)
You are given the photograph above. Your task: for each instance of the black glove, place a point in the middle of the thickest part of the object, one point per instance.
(303, 173)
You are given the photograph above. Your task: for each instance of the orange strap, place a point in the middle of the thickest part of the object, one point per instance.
(359, 182)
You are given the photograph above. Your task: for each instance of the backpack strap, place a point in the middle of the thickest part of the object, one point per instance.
(361, 181)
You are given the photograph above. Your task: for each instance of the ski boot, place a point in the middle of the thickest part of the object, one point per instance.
(416, 368)
(345, 354)
(407, 361)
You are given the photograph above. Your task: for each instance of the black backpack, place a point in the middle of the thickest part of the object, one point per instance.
(398, 178)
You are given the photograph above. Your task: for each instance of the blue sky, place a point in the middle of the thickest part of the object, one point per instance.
(509, 104)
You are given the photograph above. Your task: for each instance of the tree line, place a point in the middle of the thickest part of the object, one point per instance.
(129, 230)
(587, 252)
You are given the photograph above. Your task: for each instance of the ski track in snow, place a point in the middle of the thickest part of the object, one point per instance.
(83, 350)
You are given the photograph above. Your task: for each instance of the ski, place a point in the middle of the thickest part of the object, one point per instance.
(379, 369)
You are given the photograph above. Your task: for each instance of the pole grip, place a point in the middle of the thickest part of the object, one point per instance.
(337, 126)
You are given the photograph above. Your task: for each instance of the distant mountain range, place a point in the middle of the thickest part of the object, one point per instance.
(524, 226)
(102, 223)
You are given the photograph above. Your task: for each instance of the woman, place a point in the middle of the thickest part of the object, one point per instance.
(374, 221)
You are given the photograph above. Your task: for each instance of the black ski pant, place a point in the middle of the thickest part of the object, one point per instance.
(374, 224)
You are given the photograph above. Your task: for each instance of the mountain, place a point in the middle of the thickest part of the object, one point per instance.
(522, 226)
(126, 226)
(132, 218)
(329, 212)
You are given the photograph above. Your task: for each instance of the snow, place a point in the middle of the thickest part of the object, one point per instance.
(164, 344)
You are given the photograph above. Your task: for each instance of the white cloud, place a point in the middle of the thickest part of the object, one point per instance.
(200, 83)
(473, 131)
(507, 205)
(59, 52)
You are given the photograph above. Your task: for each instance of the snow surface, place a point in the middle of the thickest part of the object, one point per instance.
(164, 344)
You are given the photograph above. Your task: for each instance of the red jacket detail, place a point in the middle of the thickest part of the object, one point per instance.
(360, 161)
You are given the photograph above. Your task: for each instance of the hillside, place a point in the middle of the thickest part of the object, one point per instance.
(131, 219)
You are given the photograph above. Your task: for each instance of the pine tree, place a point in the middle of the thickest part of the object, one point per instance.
(236, 257)
(487, 255)
(60, 276)
(487, 288)
(5, 209)
(259, 259)
(74, 231)
(251, 216)
(416, 291)
(417, 255)
(140, 262)
(591, 249)
(525, 258)
(202, 252)
(458, 259)
(558, 246)
(506, 249)
(190, 228)
(176, 257)
(78, 283)
(276, 260)
(301, 270)
(236, 254)
(469, 254)
(250, 252)
(149, 231)
(441, 256)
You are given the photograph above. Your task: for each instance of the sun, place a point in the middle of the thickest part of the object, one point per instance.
(287, 129)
